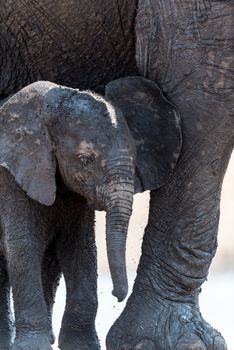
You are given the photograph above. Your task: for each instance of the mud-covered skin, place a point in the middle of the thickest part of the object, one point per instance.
(190, 53)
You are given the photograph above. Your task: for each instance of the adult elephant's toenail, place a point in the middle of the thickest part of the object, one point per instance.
(145, 344)
(219, 343)
(191, 343)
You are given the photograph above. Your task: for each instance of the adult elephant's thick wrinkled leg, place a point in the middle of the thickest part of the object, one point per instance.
(185, 47)
(6, 319)
(179, 244)
(77, 257)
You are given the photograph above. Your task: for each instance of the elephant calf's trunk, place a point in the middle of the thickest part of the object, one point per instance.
(117, 221)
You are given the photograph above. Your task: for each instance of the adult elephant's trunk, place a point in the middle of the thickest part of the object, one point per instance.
(119, 209)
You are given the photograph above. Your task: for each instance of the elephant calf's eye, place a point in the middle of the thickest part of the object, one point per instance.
(85, 159)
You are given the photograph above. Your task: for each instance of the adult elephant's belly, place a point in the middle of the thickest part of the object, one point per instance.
(78, 43)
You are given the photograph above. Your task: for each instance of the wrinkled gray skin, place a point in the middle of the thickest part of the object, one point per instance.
(41, 126)
(59, 148)
(187, 47)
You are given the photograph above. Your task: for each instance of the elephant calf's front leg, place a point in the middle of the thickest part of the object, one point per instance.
(179, 244)
(77, 258)
(51, 274)
(23, 246)
(31, 318)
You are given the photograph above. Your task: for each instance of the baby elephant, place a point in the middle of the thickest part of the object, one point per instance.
(61, 150)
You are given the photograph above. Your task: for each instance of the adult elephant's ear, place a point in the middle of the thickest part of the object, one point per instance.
(155, 126)
(25, 150)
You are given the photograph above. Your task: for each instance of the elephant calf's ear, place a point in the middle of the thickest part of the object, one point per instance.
(24, 148)
(155, 126)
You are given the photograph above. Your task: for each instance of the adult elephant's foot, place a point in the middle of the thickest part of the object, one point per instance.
(83, 338)
(162, 325)
(27, 341)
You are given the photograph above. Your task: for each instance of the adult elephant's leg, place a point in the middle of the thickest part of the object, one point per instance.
(185, 48)
(51, 274)
(6, 319)
(77, 257)
(179, 244)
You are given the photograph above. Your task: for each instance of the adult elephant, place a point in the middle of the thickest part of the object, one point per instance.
(187, 47)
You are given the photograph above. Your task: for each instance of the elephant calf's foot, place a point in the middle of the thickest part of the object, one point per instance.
(162, 325)
(82, 338)
(29, 341)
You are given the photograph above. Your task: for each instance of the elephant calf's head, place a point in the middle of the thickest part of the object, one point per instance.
(104, 150)
(92, 144)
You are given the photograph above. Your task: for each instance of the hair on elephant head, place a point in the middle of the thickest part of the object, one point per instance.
(103, 151)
